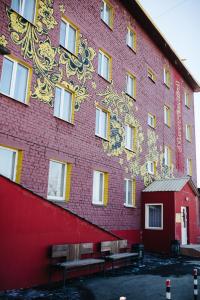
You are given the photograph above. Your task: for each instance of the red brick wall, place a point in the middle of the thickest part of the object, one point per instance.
(33, 128)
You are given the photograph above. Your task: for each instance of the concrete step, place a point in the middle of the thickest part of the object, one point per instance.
(192, 250)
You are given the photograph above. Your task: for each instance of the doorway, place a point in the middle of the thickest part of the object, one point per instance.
(184, 225)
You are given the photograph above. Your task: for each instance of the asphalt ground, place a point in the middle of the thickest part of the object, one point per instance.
(138, 282)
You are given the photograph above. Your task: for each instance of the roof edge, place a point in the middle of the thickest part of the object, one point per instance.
(144, 19)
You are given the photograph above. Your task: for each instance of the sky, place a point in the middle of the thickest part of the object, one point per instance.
(179, 21)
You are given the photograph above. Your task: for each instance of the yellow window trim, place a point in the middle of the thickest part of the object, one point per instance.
(151, 75)
(106, 194)
(186, 93)
(134, 193)
(111, 21)
(67, 20)
(102, 51)
(108, 120)
(154, 120)
(72, 91)
(129, 28)
(133, 76)
(19, 161)
(30, 74)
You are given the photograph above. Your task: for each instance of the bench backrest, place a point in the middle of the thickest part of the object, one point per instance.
(113, 246)
(71, 251)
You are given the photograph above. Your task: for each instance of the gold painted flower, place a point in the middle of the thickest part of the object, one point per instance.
(43, 91)
(48, 53)
(46, 15)
(17, 24)
(3, 41)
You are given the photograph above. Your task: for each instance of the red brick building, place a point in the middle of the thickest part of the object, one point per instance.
(94, 105)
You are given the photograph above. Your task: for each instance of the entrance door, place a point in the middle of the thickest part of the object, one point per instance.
(184, 225)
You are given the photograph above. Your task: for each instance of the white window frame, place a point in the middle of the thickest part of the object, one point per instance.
(68, 24)
(128, 39)
(65, 177)
(127, 142)
(16, 160)
(94, 201)
(149, 167)
(167, 154)
(167, 116)
(13, 80)
(103, 61)
(153, 119)
(133, 78)
(22, 7)
(62, 104)
(109, 24)
(166, 78)
(151, 75)
(126, 192)
(188, 132)
(187, 99)
(100, 133)
(147, 205)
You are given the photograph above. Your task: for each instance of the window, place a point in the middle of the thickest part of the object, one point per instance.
(151, 74)
(131, 85)
(59, 180)
(187, 100)
(129, 192)
(189, 166)
(107, 13)
(154, 216)
(167, 156)
(166, 74)
(151, 120)
(167, 116)
(188, 132)
(105, 65)
(15, 74)
(64, 104)
(102, 123)
(130, 137)
(26, 8)
(151, 167)
(100, 188)
(69, 34)
(131, 38)
(10, 163)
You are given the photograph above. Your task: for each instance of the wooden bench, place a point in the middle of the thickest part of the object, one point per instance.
(71, 256)
(114, 251)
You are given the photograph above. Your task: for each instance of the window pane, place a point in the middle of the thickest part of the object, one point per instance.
(6, 76)
(56, 179)
(15, 5)
(154, 216)
(57, 102)
(21, 83)
(103, 124)
(130, 192)
(130, 39)
(96, 187)
(29, 10)
(71, 39)
(7, 163)
(107, 15)
(67, 106)
(62, 33)
(97, 131)
(101, 187)
(130, 86)
(102, 10)
(99, 63)
(106, 67)
(125, 187)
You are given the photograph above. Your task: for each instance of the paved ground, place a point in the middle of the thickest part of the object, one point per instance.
(143, 282)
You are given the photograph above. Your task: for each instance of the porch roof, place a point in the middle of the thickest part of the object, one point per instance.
(171, 185)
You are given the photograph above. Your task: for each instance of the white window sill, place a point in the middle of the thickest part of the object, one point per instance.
(154, 228)
(101, 137)
(132, 97)
(152, 80)
(153, 127)
(98, 204)
(51, 198)
(69, 122)
(131, 150)
(133, 49)
(107, 80)
(107, 24)
(64, 48)
(129, 206)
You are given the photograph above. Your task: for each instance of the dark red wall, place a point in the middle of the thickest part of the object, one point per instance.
(187, 198)
(159, 240)
(28, 226)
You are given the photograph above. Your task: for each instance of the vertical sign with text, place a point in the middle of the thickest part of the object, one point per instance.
(178, 123)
